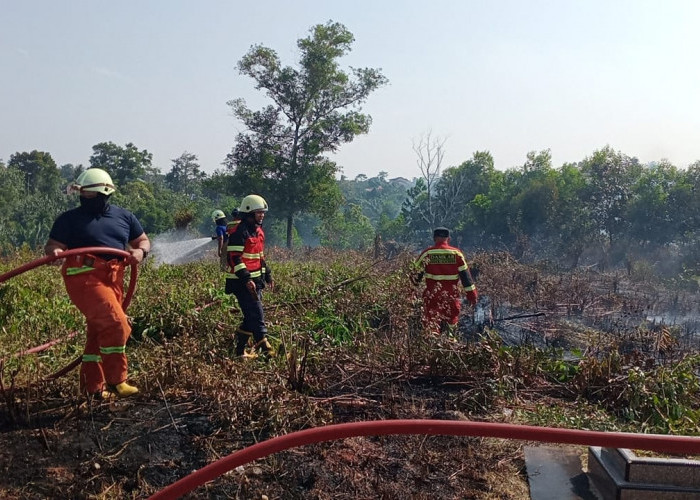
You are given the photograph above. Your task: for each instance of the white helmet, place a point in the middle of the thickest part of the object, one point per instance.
(217, 214)
(253, 203)
(94, 179)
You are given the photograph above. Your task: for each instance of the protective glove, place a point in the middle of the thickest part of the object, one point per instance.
(472, 296)
(252, 289)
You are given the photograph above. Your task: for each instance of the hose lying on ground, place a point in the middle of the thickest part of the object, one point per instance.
(654, 442)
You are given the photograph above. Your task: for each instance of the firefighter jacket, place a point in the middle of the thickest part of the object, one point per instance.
(230, 229)
(246, 254)
(231, 226)
(445, 265)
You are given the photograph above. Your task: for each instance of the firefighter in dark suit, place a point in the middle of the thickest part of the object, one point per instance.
(248, 274)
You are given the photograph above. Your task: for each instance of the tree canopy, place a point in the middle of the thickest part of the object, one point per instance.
(124, 164)
(315, 108)
(607, 209)
(38, 170)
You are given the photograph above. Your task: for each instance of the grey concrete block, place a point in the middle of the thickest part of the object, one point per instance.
(621, 475)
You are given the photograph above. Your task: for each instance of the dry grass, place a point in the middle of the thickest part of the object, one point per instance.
(351, 349)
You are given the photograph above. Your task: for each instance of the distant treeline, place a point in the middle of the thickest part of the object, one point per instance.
(607, 210)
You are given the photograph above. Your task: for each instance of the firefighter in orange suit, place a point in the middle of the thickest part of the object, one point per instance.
(248, 274)
(443, 267)
(95, 283)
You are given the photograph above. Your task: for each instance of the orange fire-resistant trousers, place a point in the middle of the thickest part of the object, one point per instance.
(441, 302)
(97, 293)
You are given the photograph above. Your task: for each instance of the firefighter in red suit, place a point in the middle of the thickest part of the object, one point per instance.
(443, 267)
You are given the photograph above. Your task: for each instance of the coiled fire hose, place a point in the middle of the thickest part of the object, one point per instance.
(654, 442)
(51, 258)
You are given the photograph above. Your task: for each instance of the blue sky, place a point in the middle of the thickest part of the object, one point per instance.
(504, 76)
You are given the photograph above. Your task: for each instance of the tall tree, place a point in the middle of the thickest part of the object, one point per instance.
(413, 212)
(430, 152)
(571, 221)
(70, 172)
(349, 229)
(610, 176)
(124, 164)
(651, 216)
(11, 192)
(40, 171)
(688, 202)
(316, 108)
(536, 193)
(687, 199)
(185, 176)
(30, 199)
(457, 188)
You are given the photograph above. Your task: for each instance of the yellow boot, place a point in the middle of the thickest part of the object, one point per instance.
(123, 390)
(100, 396)
(267, 348)
(249, 354)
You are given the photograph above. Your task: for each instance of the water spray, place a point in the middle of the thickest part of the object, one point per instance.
(179, 248)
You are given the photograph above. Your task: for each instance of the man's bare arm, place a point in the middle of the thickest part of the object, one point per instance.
(54, 247)
(139, 249)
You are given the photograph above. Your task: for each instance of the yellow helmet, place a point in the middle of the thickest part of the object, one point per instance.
(253, 203)
(217, 214)
(94, 179)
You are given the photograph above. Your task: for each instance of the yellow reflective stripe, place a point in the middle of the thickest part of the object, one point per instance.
(441, 251)
(251, 256)
(92, 358)
(253, 274)
(235, 248)
(441, 277)
(462, 268)
(470, 288)
(70, 271)
(438, 251)
(238, 267)
(120, 349)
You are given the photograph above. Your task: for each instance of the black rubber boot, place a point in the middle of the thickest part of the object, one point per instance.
(242, 338)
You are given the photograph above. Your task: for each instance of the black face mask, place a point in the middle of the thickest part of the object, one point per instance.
(97, 205)
(250, 219)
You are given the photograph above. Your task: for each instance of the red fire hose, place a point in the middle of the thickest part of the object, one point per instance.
(654, 442)
(68, 253)
(77, 251)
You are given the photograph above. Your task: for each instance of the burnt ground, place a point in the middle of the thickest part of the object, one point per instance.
(131, 449)
(53, 444)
